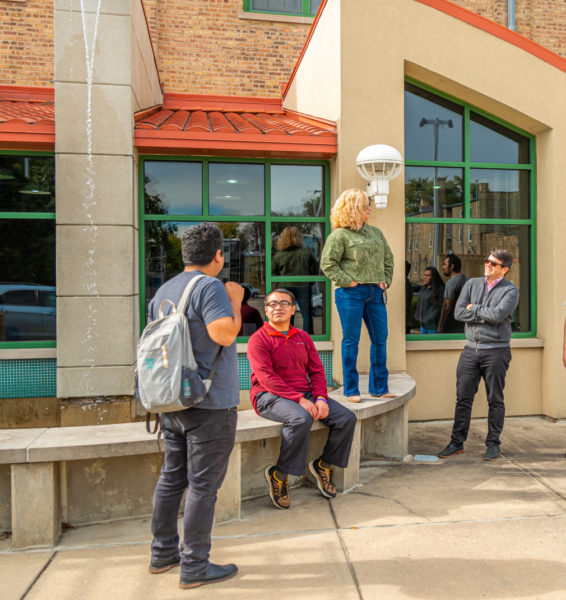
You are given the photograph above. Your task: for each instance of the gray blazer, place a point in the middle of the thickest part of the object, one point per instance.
(488, 323)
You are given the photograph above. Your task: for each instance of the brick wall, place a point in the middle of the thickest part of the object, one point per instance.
(26, 42)
(203, 47)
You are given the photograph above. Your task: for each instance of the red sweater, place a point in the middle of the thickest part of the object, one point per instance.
(283, 365)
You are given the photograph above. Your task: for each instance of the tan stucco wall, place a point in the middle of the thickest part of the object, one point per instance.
(381, 42)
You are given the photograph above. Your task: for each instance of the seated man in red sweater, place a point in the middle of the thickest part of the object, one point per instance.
(289, 386)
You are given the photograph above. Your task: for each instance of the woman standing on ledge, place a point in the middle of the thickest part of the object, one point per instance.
(357, 258)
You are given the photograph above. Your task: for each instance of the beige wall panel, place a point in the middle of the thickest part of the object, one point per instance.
(116, 7)
(95, 260)
(112, 120)
(315, 90)
(79, 382)
(97, 331)
(112, 33)
(113, 201)
(435, 375)
(146, 86)
(95, 490)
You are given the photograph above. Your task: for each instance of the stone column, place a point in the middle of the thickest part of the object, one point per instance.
(104, 72)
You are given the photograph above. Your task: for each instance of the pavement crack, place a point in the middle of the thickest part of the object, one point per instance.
(30, 586)
(537, 478)
(346, 552)
(397, 502)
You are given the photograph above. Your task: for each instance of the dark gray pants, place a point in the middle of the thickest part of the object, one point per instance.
(492, 365)
(297, 427)
(198, 443)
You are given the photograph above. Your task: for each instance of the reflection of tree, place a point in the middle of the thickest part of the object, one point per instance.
(32, 186)
(419, 193)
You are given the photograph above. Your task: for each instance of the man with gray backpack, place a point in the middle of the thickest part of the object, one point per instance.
(198, 440)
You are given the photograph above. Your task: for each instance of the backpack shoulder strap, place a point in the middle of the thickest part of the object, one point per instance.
(184, 300)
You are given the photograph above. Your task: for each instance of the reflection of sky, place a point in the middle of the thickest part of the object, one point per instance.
(236, 189)
(419, 141)
(488, 146)
(179, 185)
(292, 185)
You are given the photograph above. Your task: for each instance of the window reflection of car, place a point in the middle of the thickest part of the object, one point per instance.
(254, 292)
(27, 311)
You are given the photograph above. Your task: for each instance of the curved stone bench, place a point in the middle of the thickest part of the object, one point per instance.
(46, 466)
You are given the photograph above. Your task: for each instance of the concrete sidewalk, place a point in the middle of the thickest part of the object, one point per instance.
(459, 529)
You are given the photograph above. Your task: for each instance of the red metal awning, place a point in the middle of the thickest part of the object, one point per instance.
(232, 126)
(27, 118)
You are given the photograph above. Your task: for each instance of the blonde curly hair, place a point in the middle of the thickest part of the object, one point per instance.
(290, 237)
(349, 210)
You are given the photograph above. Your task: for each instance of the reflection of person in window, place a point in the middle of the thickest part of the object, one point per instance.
(451, 268)
(251, 317)
(429, 302)
(293, 259)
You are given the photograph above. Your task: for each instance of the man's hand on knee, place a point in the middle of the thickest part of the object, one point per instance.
(309, 407)
(322, 409)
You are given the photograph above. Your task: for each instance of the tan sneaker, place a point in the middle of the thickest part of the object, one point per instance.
(323, 477)
(278, 490)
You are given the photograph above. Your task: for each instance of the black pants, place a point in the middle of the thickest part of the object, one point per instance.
(492, 365)
(297, 428)
(198, 443)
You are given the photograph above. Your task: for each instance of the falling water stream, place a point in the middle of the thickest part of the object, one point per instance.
(89, 203)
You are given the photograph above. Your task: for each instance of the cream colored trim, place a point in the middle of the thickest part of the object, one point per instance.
(320, 346)
(254, 16)
(459, 344)
(17, 353)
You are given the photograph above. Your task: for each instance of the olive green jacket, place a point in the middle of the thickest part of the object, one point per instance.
(363, 256)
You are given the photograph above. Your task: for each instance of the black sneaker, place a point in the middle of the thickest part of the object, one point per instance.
(491, 453)
(323, 478)
(450, 450)
(212, 574)
(278, 489)
(160, 565)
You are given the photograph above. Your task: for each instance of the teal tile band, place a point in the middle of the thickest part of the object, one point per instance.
(28, 378)
(245, 372)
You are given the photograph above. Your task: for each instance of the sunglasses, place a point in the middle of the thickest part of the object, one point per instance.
(281, 303)
(493, 263)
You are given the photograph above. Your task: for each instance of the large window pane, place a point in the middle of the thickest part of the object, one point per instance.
(27, 287)
(433, 127)
(311, 305)
(494, 143)
(236, 189)
(296, 248)
(499, 194)
(244, 254)
(172, 188)
(284, 6)
(429, 243)
(433, 192)
(27, 184)
(297, 191)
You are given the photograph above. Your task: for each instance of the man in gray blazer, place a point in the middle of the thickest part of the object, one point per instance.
(486, 306)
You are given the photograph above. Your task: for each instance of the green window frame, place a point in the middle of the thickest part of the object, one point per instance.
(267, 219)
(25, 216)
(305, 9)
(461, 225)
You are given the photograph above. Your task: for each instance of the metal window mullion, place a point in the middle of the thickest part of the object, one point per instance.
(27, 215)
(205, 188)
(141, 241)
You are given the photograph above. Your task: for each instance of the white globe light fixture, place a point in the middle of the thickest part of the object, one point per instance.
(378, 164)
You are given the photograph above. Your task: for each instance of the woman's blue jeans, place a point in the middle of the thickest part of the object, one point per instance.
(365, 301)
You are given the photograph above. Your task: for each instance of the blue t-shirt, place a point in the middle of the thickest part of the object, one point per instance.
(208, 301)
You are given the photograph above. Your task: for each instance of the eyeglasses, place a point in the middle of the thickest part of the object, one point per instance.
(488, 261)
(281, 303)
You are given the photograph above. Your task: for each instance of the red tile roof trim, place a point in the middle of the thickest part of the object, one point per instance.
(27, 118)
(232, 125)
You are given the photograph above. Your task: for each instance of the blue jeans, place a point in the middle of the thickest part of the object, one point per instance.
(365, 301)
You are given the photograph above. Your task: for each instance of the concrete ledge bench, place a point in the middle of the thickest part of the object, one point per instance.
(91, 473)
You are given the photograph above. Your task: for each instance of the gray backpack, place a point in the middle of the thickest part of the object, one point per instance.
(167, 372)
